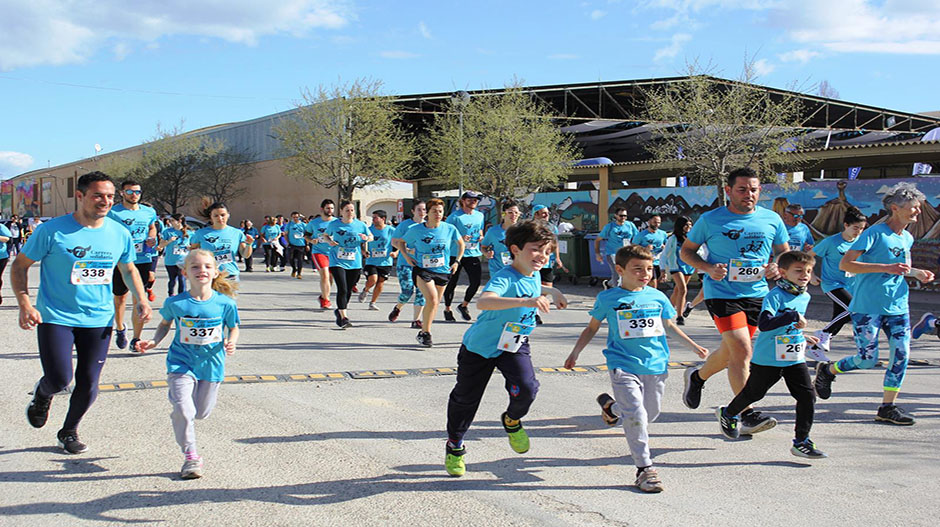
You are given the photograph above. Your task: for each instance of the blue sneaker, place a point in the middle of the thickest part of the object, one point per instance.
(925, 324)
(120, 338)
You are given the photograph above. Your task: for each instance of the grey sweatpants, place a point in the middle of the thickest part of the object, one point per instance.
(614, 280)
(191, 400)
(637, 400)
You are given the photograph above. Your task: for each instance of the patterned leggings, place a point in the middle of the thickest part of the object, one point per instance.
(407, 284)
(898, 330)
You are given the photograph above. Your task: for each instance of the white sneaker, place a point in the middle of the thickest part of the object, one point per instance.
(823, 339)
(373, 307)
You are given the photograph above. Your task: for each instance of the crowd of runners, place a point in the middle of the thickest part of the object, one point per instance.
(755, 267)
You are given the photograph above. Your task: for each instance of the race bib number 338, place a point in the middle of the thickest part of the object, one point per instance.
(91, 272)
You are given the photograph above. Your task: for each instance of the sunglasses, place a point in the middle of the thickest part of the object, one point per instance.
(797, 216)
(622, 216)
(130, 192)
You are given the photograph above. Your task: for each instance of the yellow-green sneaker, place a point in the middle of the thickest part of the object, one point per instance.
(518, 438)
(453, 461)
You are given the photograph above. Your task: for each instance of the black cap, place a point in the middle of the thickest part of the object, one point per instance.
(471, 195)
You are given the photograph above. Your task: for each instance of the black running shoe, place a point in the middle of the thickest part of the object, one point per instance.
(606, 402)
(464, 312)
(345, 323)
(753, 422)
(688, 310)
(807, 449)
(692, 391)
(680, 321)
(449, 316)
(538, 320)
(415, 324)
(823, 381)
(890, 413)
(38, 410)
(728, 423)
(424, 338)
(133, 346)
(339, 318)
(120, 338)
(393, 316)
(68, 440)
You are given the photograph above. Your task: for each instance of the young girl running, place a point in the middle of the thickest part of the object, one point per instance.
(195, 361)
(175, 243)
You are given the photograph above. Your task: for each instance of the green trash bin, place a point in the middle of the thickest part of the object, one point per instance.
(574, 255)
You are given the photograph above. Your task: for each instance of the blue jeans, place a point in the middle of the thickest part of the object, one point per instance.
(898, 330)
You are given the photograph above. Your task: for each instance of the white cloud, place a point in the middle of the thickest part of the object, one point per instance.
(13, 163)
(675, 45)
(564, 56)
(425, 32)
(798, 55)
(121, 50)
(762, 67)
(397, 54)
(597, 14)
(34, 32)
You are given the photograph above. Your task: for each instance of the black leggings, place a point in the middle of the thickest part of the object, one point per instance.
(3, 266)
(345, 279)
(55, 354)
(798, 382)
(840, 310)
(471, 264)
(296, 258)
(270, 255)
(176, 281)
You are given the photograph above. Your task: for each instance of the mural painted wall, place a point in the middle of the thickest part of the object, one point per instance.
(26, 198)
(6, 198)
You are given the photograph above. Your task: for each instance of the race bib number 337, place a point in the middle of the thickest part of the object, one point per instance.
(200, 331)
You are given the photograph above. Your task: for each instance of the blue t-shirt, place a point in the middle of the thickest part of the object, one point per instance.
(4, 231)
(316, 228)
(253, 232)
(432, 247)
(175, 252)
(743, 242)
(138, 223)
(884, 294)
(636, 335)
(295, 233)
(829, 252)
(496, 238)
(348, 254)
(399, 234)
(683, 267)
(486, 334)
(799, 236)
(271, 233)
(198, 348)
(468, 225)
(76, 268)
(657, 239)
(768, 350)
(380, 249)
(617, 236)
(223, 243)
(551, 257)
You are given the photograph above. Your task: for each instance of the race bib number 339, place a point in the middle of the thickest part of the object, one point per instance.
(639, 323)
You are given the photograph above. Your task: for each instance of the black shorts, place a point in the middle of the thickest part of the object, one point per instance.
(440, 279)
(382, 270)
(657, 272)
(119, 288)
(547, 274)
(734, 313)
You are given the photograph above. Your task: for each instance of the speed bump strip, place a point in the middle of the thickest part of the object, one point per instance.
(390, 374)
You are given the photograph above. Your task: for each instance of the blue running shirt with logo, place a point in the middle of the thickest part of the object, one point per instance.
(433, 247)
(295, 233)
(399, 234)
(348, 254)
(829, 252)
(468, 225)
(4, 231)
(636, 334)
(138, 223)
(175, 252)
(271, 233)
(496, 238)
(76, 268)
(198, 348)
(743, 242)
(799, 236)
(786, 345)
(617, 236)
(380, 248)
(223, 243)
(504, 331)
(657, 240)
(316, 228)
(881, 293)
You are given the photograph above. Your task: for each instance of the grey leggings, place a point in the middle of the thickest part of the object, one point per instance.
(614, 280)
(192, 399)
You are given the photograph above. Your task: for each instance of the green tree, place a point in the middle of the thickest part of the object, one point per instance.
(346, 136)
(503, 145)
(712, 126)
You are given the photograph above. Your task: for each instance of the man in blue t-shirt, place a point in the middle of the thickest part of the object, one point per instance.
(616, 234)
(742, 241)
(141, 221)
(296, 244)
(469, 223)
(250, 230)
(799, 236)
(320, 249)
(78, 253)
(654, 239)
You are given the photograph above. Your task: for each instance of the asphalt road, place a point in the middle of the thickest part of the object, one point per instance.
(360, 450)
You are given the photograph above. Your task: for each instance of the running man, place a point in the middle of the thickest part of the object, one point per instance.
(404, 270)
(320, 248)
(800, 238)
(654, 239)
(618, 233)
(742, 241)
(296, 244)
(270, 232)
(469, 223)
(881, 258)
(378, 258)
(78, 253)
(141, 222)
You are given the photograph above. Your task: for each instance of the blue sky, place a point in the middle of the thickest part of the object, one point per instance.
(77, 73)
